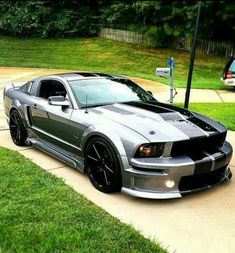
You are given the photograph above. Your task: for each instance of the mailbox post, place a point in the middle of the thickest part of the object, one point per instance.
(168, 72)
(171, 63)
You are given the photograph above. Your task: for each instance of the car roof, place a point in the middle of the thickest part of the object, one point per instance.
(90, 75)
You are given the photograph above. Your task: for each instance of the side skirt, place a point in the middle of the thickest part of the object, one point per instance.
(60, 154)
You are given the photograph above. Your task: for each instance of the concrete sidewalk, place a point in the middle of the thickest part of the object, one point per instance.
(160, 91)
(202, 222)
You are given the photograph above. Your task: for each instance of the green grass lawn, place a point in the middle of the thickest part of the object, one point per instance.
(222, 112)
(39, 213)
(98, 54)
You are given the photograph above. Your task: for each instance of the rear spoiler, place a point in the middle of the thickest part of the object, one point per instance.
(9, 86)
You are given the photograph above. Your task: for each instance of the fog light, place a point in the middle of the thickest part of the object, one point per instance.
(170, 183)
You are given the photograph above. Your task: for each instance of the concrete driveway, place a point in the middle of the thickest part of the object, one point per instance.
(202, 222)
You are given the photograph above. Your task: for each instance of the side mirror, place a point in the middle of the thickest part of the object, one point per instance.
(58, 101)
(150, 92)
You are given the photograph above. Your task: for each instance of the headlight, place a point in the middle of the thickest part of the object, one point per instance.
(150, 150)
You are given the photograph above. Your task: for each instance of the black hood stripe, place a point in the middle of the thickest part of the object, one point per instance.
(117, 110)
(189, 129)
(182, 111)
(203, 166)
(149, 107)
(172, 113)
(172, 116)
(164, 113)
(202, 124)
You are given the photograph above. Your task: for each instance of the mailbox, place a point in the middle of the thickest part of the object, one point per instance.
(163, 72)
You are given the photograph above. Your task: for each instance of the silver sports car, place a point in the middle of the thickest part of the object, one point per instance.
(116, 132)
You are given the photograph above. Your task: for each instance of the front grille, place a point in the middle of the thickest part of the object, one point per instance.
(199, 181)
(198, 144)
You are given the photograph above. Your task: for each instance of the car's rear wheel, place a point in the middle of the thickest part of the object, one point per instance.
(102, 166)
(17, 130)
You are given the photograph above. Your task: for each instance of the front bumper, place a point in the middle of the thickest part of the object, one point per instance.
(165, 178)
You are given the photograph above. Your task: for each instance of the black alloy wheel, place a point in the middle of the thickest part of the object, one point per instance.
(17, 130)
(102, 166)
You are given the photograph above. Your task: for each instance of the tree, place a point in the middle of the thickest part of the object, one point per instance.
(160, 19)
(49, 18)
(172, 18)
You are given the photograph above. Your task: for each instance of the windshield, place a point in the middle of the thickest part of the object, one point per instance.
(92, 92)
(232, 66)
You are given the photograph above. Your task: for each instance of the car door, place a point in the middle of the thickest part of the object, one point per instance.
(51, 122)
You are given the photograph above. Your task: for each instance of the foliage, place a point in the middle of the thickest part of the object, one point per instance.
(101, 55)
(84, 18)
(173, 18)
(39, 213)
(48, 18)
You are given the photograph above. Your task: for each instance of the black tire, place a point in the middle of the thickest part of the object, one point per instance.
(102, 166)
(17, 130)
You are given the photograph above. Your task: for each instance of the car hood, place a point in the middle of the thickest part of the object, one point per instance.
(159, 122)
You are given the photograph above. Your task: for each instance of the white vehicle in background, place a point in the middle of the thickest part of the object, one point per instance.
(228, 77)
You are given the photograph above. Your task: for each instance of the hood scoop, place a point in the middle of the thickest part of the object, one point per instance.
(172, 116)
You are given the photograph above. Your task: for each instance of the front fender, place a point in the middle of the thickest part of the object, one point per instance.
(110, 135)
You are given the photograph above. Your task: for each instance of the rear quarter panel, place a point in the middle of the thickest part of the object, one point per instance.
(15, 98)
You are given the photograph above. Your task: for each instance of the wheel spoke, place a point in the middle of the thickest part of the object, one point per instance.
(108, 168)
(105, 177)
(98, 155)
(13, 128)
(16, 118)
(17, 134)
(13, 119)
(93, 158)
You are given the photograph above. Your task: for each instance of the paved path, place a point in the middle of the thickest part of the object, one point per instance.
(160, 91)
(202, 222)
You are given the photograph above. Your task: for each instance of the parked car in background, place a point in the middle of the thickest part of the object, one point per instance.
(228, 77)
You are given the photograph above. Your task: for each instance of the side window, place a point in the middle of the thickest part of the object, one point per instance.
(48, 88)
(27, 87)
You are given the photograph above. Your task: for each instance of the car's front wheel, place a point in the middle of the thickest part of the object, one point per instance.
(17, 130)
(102, 166)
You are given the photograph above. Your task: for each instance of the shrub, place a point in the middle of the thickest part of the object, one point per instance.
(47, 18)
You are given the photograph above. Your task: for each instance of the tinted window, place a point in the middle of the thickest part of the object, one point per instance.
(49, 88)
(232, 66)
(106, 91)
